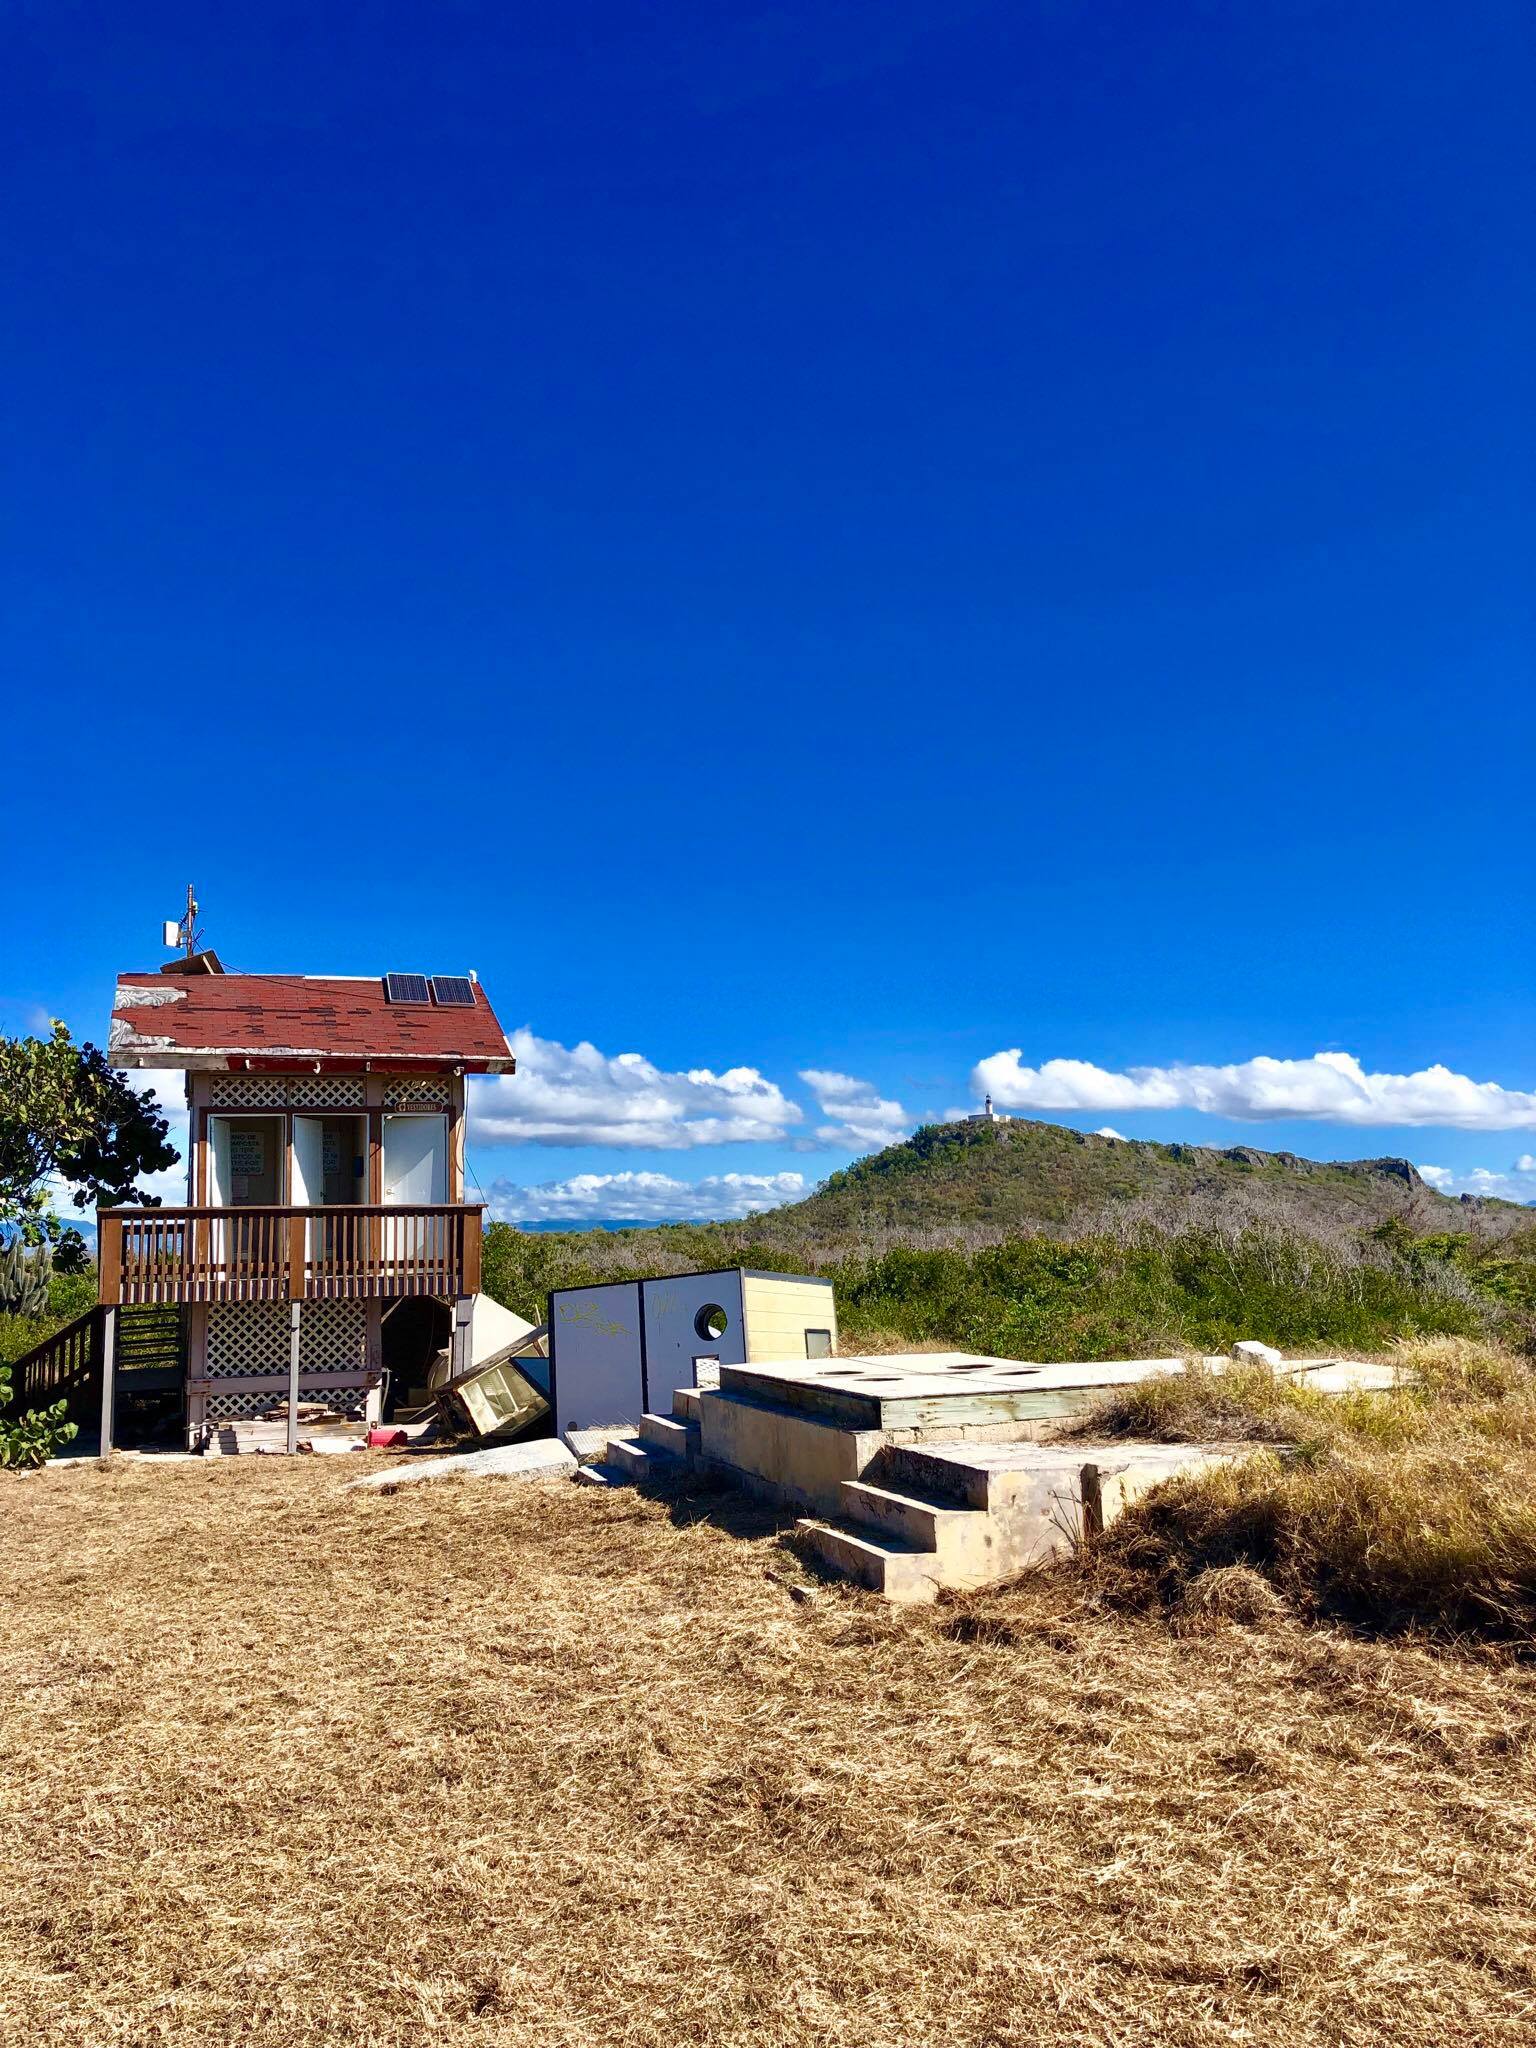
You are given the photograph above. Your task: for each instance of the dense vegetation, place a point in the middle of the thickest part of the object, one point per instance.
(69, 1295)
(65, 1112)
(32, 1437)
(1030, 1241)
(1027, 1175)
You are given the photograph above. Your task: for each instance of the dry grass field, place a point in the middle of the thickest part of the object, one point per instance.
(493, 1763)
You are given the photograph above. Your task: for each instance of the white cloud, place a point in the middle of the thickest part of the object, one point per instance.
(1330, 1087)
(643, 1197)
(1518, 1185)
(576, 1095)
(862, 1118)
(1107, 1131)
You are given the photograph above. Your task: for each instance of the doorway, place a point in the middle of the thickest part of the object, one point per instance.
(330, 1161)
(330, 1171)
(416, 1177)
(245, 1162)
(415, 1160)
(247, 1169)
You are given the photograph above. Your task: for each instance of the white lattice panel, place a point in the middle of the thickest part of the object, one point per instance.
(425, 1094)
(235, 1406)
(247, 1338)
(327, 1091)
(250, 1091)
(288, 1091)
(333, 1336)
(250, 1336)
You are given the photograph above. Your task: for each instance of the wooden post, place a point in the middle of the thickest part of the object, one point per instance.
(461, 1353)
(472, 1223)
(294, 1312)
(297, 1228)
(109, 1261)
(108, 1378)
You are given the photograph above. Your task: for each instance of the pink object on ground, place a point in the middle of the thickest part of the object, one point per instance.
(386, 1439)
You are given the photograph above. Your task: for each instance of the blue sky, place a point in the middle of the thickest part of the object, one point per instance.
(836, 540)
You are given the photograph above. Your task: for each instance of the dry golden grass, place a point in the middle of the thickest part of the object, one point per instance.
(492, 1763)
(1414, 1507)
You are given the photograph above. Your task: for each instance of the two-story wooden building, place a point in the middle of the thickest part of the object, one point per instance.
(326, 1182)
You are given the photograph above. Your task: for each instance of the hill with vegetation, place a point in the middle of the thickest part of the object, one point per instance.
(1020, 1175)
(1028, 1240)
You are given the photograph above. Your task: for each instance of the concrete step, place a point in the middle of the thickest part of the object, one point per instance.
(588, 1446)
(641, 1461)
(685, 1404)
(600, 1475)
(951, 1473)
(662, 1433)
(881, 1563)
(926, 1523)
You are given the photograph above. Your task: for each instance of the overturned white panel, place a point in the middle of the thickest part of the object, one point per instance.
(492, 1328)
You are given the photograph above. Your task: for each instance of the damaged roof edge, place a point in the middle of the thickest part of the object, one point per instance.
(160, 1052)
(256, 1023)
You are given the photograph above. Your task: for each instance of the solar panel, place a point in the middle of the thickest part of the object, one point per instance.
(453, 991)
(406, 988)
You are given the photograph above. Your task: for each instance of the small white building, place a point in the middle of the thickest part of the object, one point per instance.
(988, 1115)
(618, 1351)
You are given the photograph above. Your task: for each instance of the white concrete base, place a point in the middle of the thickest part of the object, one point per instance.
(912, 1475)
(540, 1460)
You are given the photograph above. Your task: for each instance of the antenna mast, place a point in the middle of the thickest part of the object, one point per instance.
(183, 931)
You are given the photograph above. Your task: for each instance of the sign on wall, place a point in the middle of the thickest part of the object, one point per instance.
(248, 1152)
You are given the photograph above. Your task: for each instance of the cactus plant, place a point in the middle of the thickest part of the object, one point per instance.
(24, 1281)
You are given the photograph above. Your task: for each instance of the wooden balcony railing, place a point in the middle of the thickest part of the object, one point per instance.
(287, 1254)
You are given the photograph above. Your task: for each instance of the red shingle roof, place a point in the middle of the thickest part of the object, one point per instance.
(272, 1020)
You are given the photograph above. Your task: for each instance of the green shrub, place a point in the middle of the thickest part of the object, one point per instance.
(24, 1277)
(32, 1438)
(1147, 1293)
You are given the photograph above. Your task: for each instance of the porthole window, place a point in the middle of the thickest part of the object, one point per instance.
(711, 1322)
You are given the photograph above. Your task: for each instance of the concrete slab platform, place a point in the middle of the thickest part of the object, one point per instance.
(966, 1390)
(920, 1390)
(1344, 1375)
(542, 1459)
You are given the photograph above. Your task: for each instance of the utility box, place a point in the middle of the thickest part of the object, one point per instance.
(620, 1351)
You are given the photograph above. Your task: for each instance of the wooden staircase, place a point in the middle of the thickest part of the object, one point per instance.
(150, 1370)
(64, 1367)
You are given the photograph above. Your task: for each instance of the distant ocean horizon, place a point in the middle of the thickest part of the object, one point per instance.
(85, 1223)
(612, 1223)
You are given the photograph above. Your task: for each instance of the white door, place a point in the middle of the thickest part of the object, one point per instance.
(220, 1180)
(306, 1177)
(415, 1174)
(415, 1160)
(308, 1162)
